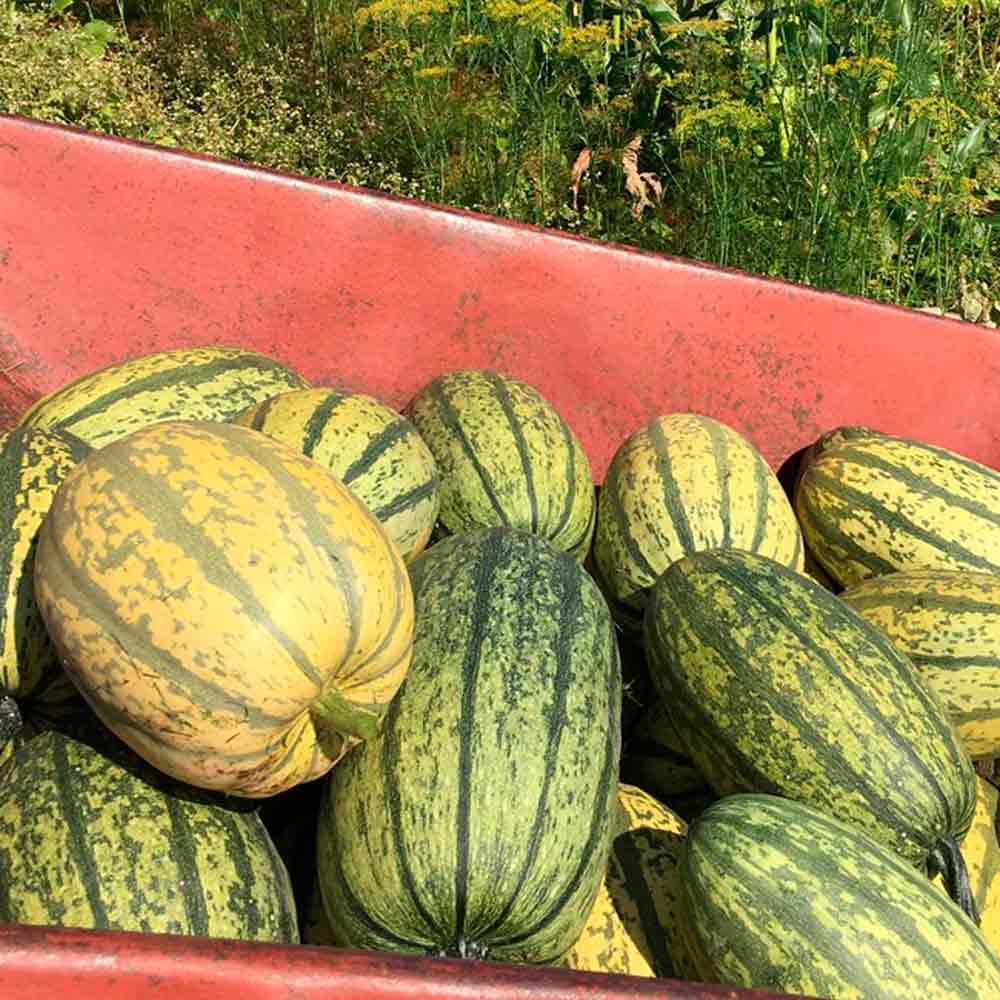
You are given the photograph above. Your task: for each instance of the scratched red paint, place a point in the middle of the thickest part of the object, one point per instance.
(111, 249)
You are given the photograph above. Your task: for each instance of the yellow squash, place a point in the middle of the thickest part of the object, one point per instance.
(948, 623)
(228, 607)
(632, 928)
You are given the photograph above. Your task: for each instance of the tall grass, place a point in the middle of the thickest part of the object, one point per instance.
(852, 146)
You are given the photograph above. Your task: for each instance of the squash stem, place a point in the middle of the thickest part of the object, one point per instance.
(946, 859)
(10, 718)
(334, 715)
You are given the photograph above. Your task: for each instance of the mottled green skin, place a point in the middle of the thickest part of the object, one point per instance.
(781, 897)
(775, 685)
(33, 464)
(478, 822)
(84, 842)
(506, 458)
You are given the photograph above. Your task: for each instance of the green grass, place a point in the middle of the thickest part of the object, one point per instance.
(850, 146)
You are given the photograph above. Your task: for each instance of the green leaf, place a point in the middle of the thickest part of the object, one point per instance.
(660, 12)
(60, 6)
(100, 35)
(968, 147)
(900, 14)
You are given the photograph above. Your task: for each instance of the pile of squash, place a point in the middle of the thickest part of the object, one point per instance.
(278, 662)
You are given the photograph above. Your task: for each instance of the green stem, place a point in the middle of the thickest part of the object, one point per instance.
(946, 860)
(336, 718)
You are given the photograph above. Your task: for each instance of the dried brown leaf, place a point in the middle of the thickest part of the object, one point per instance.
(580, 166)
(637, 184)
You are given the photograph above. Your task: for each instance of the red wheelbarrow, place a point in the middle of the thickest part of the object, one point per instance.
(110, 249)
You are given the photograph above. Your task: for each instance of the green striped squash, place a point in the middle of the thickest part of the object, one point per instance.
(772, 899)
(506, 458)
(632, 928)
(228, 608)
(680, 484)
(85, 842)
(368, 447)
(33, 464)
(478, 822)
(871, 504)
(776, 685)
(192, 383)
(948, 623)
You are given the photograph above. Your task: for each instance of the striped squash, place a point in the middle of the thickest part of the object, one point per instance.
(33, 464)
(84, 842)
(506, 458)
(681, 484)
(981, 852)
(368, 447)
(632, 927)
(776, 685)
(948, 623)
(478, 822)
(772, 899)
(871, 504)
(192, 383)
(228, 607)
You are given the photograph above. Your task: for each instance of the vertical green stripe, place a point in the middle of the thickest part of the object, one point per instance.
(401, 847)
(502, 394)
(76, 815)
(611, 497)
(185, 858)
(319, 531)
(762, 477)
(490, 552)
(452, 423)
(357, 912)
(570, 474)
(720, 455)
(571, 612)
(636, 888)
(317, 422)
(244, 898)
(671, 490)
(600, 810)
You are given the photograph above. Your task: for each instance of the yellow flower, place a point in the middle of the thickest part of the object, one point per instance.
(857, 67)
(735, 115)
(430, 72)
(404, 12)
(469, 41)
(695, 24)
(540, 16)
(589, 44)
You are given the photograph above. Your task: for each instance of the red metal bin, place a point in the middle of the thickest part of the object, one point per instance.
(110, 249)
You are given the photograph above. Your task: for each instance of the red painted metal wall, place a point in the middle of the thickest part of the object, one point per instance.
(111, 249)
